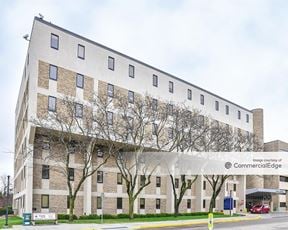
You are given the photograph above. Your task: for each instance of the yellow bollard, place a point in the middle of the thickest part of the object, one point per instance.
(210, 221)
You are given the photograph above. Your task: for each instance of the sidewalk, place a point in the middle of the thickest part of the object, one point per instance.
(139, 225)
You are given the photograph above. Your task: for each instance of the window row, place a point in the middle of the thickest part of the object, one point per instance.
(54, 43)
(52, 107)
(53, 75)
(46, 173)
(119, 202)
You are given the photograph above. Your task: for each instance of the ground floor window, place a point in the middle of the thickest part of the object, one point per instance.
(44, 201)
(158, 203)
(119, 203)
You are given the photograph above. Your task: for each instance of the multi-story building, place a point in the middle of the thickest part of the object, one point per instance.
(278, 182)
(59, 63)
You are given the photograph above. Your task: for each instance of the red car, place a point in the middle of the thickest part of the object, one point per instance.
(260, 208)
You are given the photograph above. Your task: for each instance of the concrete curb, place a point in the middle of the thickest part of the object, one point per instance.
(204, 221)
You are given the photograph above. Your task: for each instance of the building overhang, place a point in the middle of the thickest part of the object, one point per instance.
(264, 191)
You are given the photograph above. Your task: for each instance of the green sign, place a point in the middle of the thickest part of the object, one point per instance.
(27, 218)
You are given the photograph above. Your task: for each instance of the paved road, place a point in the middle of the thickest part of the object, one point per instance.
(267, 223)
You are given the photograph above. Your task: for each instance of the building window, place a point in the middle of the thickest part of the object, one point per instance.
(142, 180)
(44, 201)
(54, 42)
(46, 145)
(131, 97)
(170, 109)
(154, 104)
(99, 202)
(99, 176)
(110, 118)
(158, 181)
(45, 171)
(155, 80)
(170, 133)
(53, 72)
(234, 201)
(111, 63)
(176, 183)
(204, 204)
(171, 87)
(131, 71)
(189, 203)
(81, 51)
(158, 203)
(142, 203)
(217, 105)
(100, 152)
(70, 174)
(110, 90)
(234, 187)
(204, 185)
(52, 104)
(119, 178)
(78, 110)
(202, 99)
(247, 118)
(239, 114)
(189, 94)
(119, 203)
(227, 109)
(154, 128)
(283, 178)
(282, 204)
(79, 80)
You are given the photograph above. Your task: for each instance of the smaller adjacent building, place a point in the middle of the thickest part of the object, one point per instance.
(269, 189)
(279, 182)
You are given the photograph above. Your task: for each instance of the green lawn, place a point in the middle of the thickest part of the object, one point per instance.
(14, 220)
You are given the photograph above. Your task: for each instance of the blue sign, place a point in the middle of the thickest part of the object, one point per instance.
(228, 203)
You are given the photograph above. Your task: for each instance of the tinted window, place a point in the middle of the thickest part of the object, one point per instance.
(110, 90)
(78, 110)
(79, 80)
(131, 97)
(189, 94)
(53, 72)
(52, 104)
(131, 71)
(171, 87)
(45, 171)
(202, 99)
(81, 51)
(54, 42)
(111, 63)
(155, 80)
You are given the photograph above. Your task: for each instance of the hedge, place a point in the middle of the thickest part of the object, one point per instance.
(125, 215)
(3, 211)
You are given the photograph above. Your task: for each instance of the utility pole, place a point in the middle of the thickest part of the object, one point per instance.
(7, 201)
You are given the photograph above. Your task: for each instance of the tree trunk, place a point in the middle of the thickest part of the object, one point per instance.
(176, 208)
(71, 208)
(131, 207)
(212, 203)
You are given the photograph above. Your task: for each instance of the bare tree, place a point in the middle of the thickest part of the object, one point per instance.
(69, 131)
(222, 138)
(127, 130)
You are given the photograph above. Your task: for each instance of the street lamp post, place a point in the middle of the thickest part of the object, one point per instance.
(7, 201)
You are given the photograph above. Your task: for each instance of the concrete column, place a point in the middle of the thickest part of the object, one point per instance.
(29, 182)
(87, 196)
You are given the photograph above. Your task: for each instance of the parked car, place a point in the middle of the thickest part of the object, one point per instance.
(260, 208)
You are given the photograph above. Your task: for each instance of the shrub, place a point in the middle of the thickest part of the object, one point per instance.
(89, 217)
(109, 216)
(3, 211)
(62, 216)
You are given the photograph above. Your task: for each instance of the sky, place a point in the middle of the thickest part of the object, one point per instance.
(236, 49)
